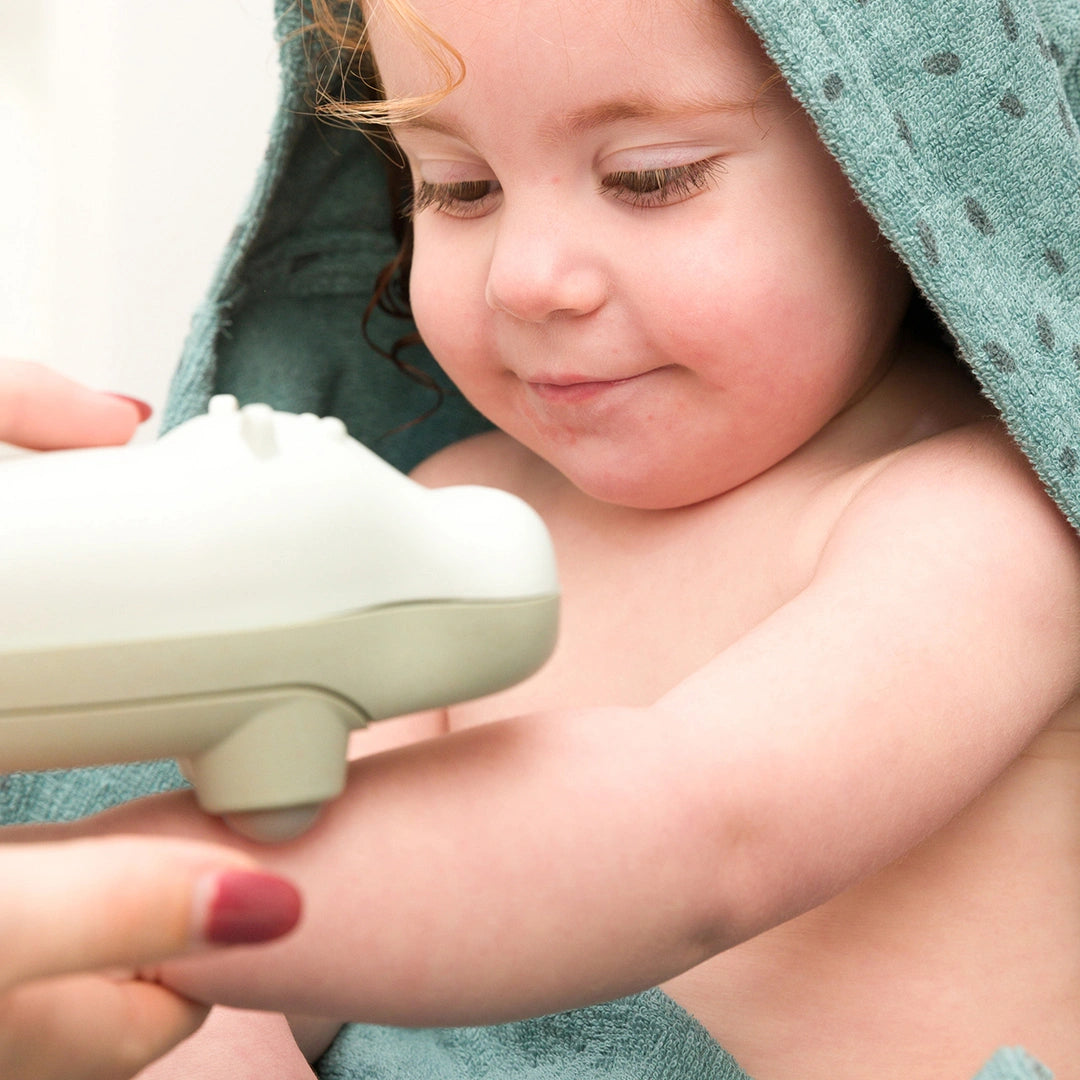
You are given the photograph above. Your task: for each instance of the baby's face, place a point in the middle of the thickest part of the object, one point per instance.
(629, 255)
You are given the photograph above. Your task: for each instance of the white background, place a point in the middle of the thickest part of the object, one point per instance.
(130, 134)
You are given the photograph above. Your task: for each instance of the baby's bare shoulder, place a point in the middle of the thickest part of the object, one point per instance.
(963, 514)
(971, 473)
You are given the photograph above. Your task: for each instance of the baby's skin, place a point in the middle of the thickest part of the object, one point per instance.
(807, 752)
(924, 967)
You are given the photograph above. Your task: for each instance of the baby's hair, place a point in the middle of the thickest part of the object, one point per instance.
(347, 56)
(348, 92)
(347, 60)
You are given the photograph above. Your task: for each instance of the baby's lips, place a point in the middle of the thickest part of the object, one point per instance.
(245, 907)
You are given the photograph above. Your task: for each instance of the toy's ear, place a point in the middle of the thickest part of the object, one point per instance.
(284, 322)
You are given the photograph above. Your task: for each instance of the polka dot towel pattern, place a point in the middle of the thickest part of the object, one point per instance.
(956, 121)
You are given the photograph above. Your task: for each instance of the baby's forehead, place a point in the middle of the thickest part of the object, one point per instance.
(693, 48)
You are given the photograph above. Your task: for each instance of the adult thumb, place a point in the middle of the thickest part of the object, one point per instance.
(85, 905)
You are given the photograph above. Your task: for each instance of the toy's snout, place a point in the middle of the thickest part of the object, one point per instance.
(278, 586)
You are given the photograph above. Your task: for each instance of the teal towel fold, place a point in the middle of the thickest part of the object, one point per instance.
(956, 122)
(283, 321)
(647, 1037)
(1013, 1063)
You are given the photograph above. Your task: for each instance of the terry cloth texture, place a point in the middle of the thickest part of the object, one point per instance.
(956, 122)
(646, 1037)
(283, 320)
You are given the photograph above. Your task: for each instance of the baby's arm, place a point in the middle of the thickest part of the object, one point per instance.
(235, 1044)
(553, 860)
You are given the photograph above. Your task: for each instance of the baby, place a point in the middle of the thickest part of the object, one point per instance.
(807, 753)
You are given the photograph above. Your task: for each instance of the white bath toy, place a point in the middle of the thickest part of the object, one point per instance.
(242, 594)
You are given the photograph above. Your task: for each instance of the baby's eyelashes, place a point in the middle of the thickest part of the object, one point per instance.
(663, 187)
(655, 187)
(461, 198)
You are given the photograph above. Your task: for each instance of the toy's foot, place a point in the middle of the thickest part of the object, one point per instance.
(274, 826)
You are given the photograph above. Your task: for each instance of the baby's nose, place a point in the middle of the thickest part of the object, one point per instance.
(542, 269)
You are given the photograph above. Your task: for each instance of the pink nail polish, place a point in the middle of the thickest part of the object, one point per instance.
(248, 907)
(145, 410)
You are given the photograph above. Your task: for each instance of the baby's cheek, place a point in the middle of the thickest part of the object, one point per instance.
(787, 318)
(445, 333)
(739, 322)
(444, 310)
(423, 299)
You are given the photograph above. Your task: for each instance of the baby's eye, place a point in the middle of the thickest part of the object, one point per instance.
(662, 187)
(463, 198)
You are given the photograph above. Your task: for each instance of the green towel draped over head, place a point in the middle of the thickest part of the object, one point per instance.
(956, 121)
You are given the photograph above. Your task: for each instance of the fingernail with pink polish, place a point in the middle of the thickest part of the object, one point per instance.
(145, 410)
(247, 907)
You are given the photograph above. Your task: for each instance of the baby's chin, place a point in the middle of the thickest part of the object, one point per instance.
(656, 467)
(652, 489)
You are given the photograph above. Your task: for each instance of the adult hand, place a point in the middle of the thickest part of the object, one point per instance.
(43, 410)
(71, 910)
(74, 912)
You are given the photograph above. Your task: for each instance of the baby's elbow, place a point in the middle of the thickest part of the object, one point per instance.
(744, 881)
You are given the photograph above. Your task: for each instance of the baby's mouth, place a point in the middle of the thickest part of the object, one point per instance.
(573, 390)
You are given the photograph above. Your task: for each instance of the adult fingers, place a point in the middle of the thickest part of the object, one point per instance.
(43, 410)
(90, 904)
(90, 1028)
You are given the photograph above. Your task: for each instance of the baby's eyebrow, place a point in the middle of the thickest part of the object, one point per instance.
(609, 111)
(640, 108)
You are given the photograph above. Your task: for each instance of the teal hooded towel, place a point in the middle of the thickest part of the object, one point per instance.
(956, 122)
